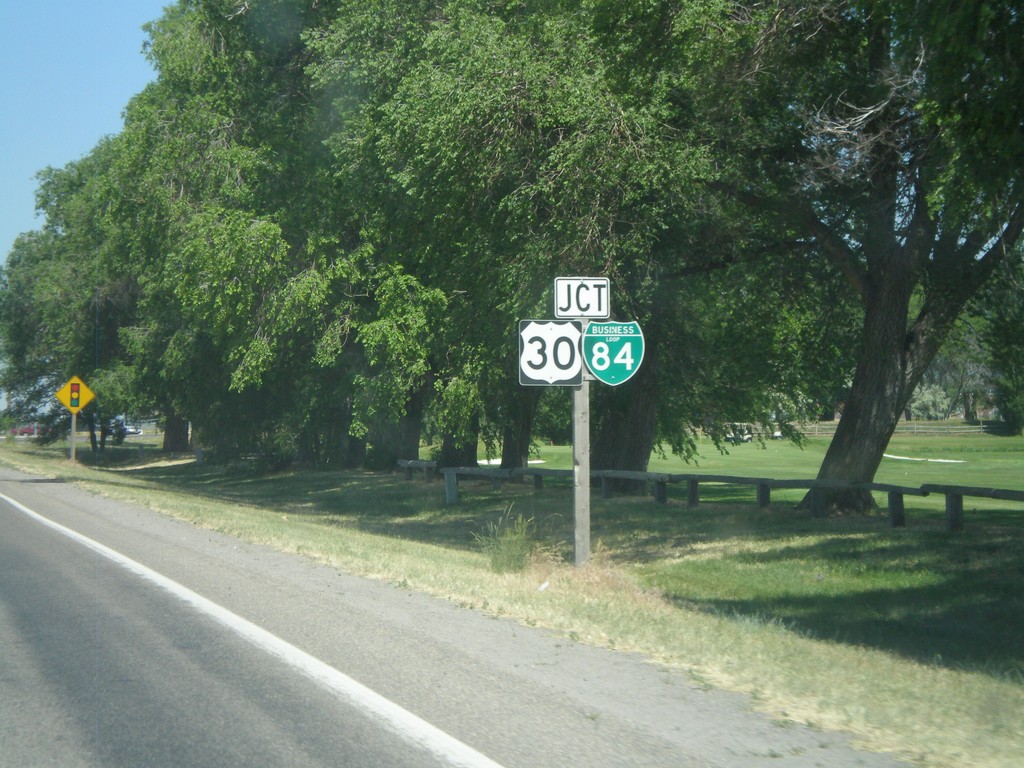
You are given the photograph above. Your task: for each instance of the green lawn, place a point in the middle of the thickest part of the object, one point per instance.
(974, 460)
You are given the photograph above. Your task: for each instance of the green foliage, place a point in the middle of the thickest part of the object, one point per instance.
(321, 223)
(1010, 399)
(276, 448)
(553, 422)
(397, 343)
(971, 94)
(930, 402)
(1002, 309)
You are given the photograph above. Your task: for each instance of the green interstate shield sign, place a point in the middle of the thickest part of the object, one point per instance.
(613, 351)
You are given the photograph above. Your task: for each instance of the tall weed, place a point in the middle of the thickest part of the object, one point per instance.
(509, 542)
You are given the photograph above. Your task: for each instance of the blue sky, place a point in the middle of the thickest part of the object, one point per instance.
(67, 70)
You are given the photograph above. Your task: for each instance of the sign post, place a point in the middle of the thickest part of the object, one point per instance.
(571, 352)
(74, 396)
(581, 471)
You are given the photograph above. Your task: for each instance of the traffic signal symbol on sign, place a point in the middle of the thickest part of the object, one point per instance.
(613, 351)
(75, 394)
(549, 353)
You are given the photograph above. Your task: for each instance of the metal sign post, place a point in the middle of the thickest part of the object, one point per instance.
(581, 470)
(571, 352)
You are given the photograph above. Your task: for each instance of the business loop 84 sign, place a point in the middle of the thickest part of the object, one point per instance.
(613, 351)
(549, 353)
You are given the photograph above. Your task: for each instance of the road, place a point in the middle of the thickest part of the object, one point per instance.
(130, 639)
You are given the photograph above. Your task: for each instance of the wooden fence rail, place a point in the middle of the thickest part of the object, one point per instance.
(764, 486)
(955, 499)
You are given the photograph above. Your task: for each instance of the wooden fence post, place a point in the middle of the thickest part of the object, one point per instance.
(661, 491)
(451, 486)
(817, 502)
(897, 512)
(955, 511)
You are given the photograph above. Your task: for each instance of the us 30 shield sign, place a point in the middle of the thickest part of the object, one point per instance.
(549, 353)
(613, 351)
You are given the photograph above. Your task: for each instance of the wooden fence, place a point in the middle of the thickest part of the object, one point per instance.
(659, 482)
(828, 428)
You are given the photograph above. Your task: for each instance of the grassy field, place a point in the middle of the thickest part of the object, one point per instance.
(910, 639)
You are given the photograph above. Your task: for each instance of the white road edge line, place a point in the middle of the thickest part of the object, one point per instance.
(398, 720)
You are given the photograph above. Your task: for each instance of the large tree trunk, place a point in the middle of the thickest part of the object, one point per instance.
(410, 426)
(90, 420)
(879, 393)
(175, 433)
(461, 452)
(888, 367)
(518, 429)
(625, 419)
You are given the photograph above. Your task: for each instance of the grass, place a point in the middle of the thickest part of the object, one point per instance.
(910, 639)
(509, 542)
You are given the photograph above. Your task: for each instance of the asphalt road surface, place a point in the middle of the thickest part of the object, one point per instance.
(129, 639)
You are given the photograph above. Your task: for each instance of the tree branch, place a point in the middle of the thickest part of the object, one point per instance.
(835, 248)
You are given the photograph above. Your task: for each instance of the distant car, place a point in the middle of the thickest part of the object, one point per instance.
(132, 429)
(25, 430)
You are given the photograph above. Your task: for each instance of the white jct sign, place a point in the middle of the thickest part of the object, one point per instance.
(582, 297)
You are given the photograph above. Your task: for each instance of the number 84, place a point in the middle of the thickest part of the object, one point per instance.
(601, 357)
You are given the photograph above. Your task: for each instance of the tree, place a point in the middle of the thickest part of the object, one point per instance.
(889, 134)
(62, 305)
(227, 186)
(343, 209)
(505, 145)
(1002, 310)
(956, 379)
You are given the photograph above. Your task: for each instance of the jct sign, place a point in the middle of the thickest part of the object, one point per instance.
(582, 297)
(613, 351)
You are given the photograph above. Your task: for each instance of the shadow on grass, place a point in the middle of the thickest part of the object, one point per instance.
(951, 599)
(377, 503)
(936, 598)
(955, 600)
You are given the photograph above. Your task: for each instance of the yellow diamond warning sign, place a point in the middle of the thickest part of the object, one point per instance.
(75, 395)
